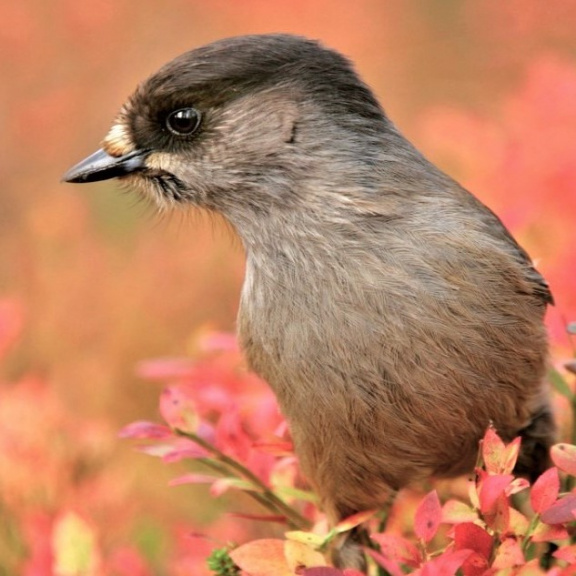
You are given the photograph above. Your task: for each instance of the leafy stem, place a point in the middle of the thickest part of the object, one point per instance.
(262, 494)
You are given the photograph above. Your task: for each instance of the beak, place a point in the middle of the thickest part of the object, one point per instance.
(102, 166)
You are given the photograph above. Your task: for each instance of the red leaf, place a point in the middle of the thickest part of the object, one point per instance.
(352, 572)
(398, 549)
(475, 565)
(143, 429)
(562, 511)
(545, 490)
(428, 517)
(472, 537)
(564, 456)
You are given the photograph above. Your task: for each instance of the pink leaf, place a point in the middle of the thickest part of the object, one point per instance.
(517, 485)
(398, 549)
(143, 429)
(545, 490)
(178, 454)
(566, 553)
(389, 565)
(231, 436)
(491, 489)
(178, 409)
(564, 456)
(561, 512)
(428, 517)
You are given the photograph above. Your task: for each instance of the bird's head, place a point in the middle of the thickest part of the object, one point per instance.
(238, 125)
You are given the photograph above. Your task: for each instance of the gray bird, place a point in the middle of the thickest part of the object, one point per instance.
(392, 313)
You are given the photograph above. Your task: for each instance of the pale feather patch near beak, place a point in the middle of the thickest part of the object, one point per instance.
(118, 142)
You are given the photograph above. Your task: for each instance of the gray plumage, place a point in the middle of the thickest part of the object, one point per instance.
(391, 312)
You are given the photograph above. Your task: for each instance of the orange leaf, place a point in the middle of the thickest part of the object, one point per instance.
(508, 555)
(262, 558)
(493, 451)
(353, 521)
(510, 456)
(549, 533)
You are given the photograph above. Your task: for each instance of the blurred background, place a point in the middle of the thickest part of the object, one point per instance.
(91, 283)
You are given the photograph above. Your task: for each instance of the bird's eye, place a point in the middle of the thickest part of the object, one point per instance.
(183, 122)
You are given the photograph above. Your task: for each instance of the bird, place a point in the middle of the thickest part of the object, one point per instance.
(391, 312)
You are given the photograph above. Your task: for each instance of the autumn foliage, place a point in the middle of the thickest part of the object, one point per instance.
(483, 532)
(90, 289)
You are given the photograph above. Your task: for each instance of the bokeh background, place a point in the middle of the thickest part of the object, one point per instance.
(91, 283)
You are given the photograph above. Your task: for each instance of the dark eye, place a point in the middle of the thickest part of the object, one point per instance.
(183, 122)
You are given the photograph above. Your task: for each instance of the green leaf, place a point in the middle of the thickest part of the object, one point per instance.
(560, 385)
(221, 564)
(289, 492)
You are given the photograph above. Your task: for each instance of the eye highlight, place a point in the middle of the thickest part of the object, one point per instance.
(183, 122)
